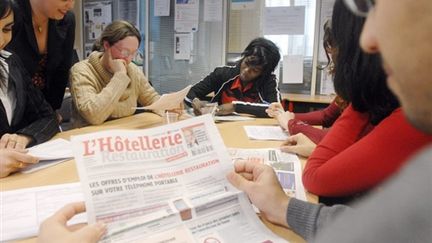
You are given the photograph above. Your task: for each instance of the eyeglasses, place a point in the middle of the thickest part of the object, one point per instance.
(125, 53)
(360, 7)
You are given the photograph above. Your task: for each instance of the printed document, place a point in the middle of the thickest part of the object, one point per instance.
(286, 165)
(49, 153)
(168, 101)
(165, 184)
(23, 210)
(266, 133)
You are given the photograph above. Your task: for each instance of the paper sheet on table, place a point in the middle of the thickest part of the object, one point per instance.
(266, 133)
(23, 210)
(233, 118)
(49, 153)
(55, 149)
(168, 101)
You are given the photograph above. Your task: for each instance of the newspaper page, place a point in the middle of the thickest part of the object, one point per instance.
(165, 184)
(286, 165)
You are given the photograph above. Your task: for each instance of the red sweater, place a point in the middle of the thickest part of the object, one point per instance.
(303, 121)
(343, 165)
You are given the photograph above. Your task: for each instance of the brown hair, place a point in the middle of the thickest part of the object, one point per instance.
(114, 32)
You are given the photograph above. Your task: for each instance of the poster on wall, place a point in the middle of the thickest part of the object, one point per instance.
(284, 20)
(243, 4)
(182, 46)
(186, 15)
(162, 8)
(213, 10)
(128, 10)
(97, 15)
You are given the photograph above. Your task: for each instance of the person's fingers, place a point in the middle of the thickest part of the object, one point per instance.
(290, 149)
(24, 157)
(238, 181)
(91, 233)
(4, 140)
(247, 176)
(68, 211)
(291, 140)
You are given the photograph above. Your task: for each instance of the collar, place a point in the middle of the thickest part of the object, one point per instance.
(238, 85)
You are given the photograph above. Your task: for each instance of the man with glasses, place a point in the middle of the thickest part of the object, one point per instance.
(401, 210)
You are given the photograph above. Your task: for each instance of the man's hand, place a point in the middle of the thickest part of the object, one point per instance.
(12, 160)
(14, 141)
(260, 183)
(55, 229)
(299, 144)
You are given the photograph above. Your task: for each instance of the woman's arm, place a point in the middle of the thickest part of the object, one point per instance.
(343, 165)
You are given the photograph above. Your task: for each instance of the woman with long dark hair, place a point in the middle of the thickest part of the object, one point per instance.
(25, 117)
(351, 160)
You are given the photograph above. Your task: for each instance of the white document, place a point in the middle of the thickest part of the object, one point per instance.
(49, 153)
(266, 133)
(286, 165)
(186, 15)
(161, 7)
(23, 210)
(182, 46)
(284, 20)
(213, 10)
(165, 184)
(233, 118)
(54, 149)
(243, 4)
(168, 101)
(292, 69)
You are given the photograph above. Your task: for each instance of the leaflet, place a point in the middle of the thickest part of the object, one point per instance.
(165, 184)
(286, 165)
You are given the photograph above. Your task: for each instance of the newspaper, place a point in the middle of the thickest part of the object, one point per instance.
(286, 165)
(165, 184)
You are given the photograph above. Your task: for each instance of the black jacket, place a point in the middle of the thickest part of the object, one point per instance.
(32, 115)
(61, 36)
(222, 77)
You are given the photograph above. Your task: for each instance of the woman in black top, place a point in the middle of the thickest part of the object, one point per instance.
(43, 37)
(25, 117)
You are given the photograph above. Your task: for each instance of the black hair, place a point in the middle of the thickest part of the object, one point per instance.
(359, 77)
(263, 53)
(6, 8)
(327, 42)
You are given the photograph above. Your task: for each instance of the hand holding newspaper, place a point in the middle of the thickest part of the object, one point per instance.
(165, 184)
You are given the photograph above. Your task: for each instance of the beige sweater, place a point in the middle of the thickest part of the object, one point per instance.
(99, 95)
